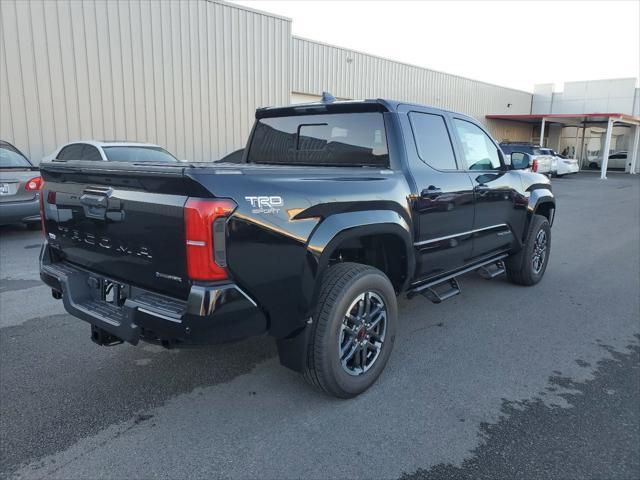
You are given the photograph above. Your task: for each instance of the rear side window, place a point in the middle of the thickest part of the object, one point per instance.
(89, 152)
(337, 139)
(432, 140)
(71, 152)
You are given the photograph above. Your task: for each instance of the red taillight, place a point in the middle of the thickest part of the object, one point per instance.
(534, 166)
(206, 261)
(34, 184)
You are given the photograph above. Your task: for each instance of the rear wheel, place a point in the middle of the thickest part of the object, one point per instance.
(527, 267)
(353, 330)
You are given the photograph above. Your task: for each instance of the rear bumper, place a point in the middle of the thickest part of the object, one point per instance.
(567, 169)
(211, 314)
(18, 212)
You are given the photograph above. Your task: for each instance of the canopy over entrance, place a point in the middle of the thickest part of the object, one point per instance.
(583, 120)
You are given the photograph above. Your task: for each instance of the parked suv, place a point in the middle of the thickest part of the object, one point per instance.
(541, 162)
(335, 209)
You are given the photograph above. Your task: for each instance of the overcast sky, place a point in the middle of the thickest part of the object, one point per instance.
(515, 44)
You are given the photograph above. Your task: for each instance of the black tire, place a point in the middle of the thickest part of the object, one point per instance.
(521, 267)
(593, 166)
(341, 286)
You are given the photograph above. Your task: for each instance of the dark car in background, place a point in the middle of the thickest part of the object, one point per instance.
(20, 185)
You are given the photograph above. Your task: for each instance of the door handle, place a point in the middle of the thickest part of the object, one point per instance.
(482, 188)
(431, 190)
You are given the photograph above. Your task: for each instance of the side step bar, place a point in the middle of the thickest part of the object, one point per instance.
(492, 271)
(491, 268)
(439, 296)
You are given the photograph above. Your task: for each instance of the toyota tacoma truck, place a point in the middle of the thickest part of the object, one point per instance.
(335, 210)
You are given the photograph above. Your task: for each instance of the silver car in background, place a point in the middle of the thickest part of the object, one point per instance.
(112, 151)
(561, 165)
(20, 185)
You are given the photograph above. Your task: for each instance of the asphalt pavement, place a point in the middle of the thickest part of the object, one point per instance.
(500, 382)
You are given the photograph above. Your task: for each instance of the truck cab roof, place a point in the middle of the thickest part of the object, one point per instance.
(343, 106)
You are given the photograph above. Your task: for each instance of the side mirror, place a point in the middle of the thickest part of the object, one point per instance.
(520, 160)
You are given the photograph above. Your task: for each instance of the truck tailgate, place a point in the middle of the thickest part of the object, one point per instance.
(123, 221)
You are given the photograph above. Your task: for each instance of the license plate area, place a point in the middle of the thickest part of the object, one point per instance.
(8, 188)
(109, 291)
(113, 293)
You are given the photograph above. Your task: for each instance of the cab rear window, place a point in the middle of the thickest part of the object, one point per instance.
(336, 139)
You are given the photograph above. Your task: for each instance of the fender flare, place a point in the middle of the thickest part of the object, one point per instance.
(337, 228)
(538, 197)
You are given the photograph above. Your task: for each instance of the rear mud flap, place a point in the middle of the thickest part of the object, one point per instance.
(292, 351)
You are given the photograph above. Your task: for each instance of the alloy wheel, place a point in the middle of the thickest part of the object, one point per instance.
(362, 333)
(539, 252)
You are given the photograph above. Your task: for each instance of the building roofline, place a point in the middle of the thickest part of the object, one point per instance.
(297, 37)
(250, 9)
(564, 83)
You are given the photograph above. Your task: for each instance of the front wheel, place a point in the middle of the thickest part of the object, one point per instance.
(527, 267)
(354, 330)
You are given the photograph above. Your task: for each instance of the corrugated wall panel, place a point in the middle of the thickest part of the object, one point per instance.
(350, 74)
(187, 75)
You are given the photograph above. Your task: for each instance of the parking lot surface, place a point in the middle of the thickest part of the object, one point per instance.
(500, 382)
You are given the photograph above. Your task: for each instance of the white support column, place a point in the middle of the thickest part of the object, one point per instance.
(634, 150)
(605, 150)
(580, 158)
(542, 133)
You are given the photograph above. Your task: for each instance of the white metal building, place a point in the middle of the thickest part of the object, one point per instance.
(189, 74)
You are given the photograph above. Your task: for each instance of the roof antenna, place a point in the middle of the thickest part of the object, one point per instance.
(327, 98)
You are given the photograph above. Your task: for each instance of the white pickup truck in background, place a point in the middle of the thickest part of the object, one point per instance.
(540, 161)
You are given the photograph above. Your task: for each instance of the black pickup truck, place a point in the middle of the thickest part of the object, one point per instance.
(335, 209)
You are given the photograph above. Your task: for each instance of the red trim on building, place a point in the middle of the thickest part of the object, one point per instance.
(540, 116)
